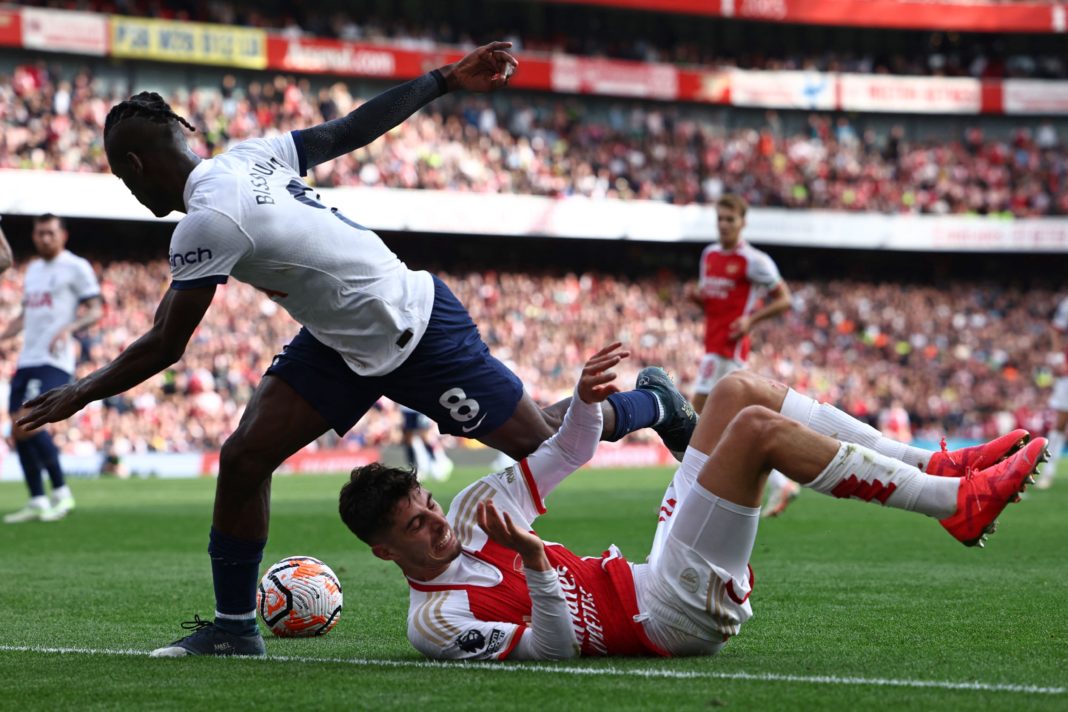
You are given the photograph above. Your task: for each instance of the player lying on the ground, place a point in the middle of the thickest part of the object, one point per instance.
(484, 586)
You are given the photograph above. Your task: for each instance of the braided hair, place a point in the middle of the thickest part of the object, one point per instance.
(148, 105)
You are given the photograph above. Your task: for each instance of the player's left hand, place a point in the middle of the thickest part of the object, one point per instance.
(51, 407)
(503, 531)
(59, 341)
(739, 327)
(485, 69)
(595, 383)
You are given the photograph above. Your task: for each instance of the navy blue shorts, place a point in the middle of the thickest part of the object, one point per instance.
(32, 381)
(450, 376)
(413, 420)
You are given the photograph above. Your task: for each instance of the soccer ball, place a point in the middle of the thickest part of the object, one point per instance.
(299, 597)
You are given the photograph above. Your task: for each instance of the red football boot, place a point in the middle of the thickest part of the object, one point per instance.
(978, 457)
(984, 494)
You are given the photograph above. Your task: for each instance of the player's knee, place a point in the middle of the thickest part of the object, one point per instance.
(240, 459)
(746, 387)
(756, 426)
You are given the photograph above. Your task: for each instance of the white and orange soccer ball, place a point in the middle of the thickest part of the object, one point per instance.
(299, 597)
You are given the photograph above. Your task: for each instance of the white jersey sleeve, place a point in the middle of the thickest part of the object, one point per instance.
(204, 249)
(83, 282)
(571, 447)
(762, 270)
(287, 147)
(550, 636)
(520, 489)
(442, 627)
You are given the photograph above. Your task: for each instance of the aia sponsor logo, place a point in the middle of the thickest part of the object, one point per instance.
(35, 300)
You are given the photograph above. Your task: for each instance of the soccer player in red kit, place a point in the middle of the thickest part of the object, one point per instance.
(484, 586)
(734, 278)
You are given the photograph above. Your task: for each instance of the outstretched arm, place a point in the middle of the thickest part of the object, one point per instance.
(176, 318)
(550, 635)
(576, 441)
(485, 69)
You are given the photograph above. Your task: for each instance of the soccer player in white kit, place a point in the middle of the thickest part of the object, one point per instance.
(370, 326)
(1059, 399)
(61, 296)
(483, 585)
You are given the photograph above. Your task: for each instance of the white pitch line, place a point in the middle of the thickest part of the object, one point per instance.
(594, 671)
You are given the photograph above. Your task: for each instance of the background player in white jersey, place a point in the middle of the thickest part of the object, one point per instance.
(483, 586)
(370, 326)
(733, 278)
(1059, 399)
(60, 297)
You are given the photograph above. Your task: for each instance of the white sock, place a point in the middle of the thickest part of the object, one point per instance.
(422, 457)
(1056, 444)
(858, 472)
(828, 420)
(40, 502)
(61, 492)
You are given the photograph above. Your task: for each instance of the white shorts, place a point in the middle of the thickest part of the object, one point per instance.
(712, 369)
(694, 590)
(1059, 399)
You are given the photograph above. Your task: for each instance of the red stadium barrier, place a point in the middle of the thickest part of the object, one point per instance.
(974, 16)
(10, 27)
(223, 45)
(309, 462)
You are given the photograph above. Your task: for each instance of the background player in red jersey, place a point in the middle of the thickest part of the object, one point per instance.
(484, 586)
(734, 277)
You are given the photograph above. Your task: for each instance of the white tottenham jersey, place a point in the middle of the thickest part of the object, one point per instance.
(251, 216)
(52, 292)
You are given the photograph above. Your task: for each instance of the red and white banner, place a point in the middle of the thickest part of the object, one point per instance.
(585, 75)
(909, 95)
(309, 462)
(793, 90)
(62, 31)
(971, 16)
(10, 28)
(325, 56)
(1034, 96)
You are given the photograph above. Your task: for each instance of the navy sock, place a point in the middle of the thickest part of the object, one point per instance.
(235, 569)
(634, 410)
(31, 467)
(48, 454)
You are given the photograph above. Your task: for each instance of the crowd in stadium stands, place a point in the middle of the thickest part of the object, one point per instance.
(559, 146)
(936, 53)
(966, 360)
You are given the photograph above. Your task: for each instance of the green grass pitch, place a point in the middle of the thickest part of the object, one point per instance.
(856, 607)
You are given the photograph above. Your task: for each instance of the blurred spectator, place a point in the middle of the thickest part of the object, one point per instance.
(557, 146)
(964, 359)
